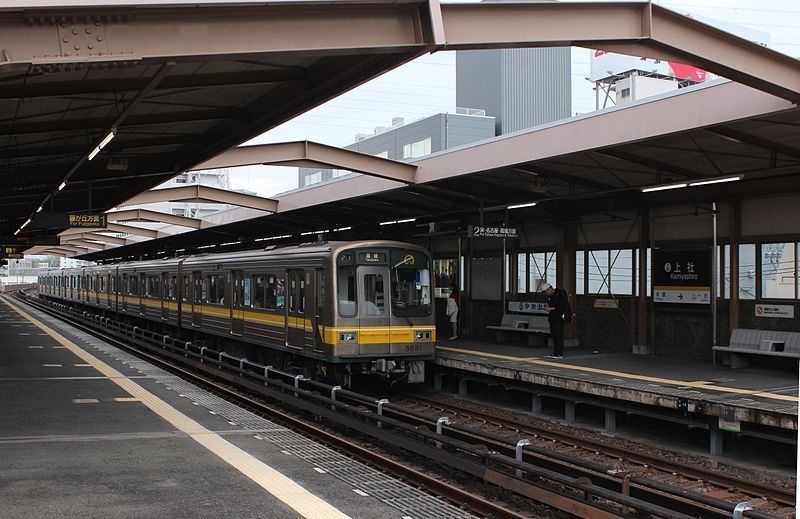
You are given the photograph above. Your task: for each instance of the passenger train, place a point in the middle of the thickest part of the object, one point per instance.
(331, 309)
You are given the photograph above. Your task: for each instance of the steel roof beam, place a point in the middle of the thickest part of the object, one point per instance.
(117, 228)
(634, 28)
(203, 194)
(658, 165)
(312, 155)
(180, 33)
(746, 138)
(145, 215)
(86, 244)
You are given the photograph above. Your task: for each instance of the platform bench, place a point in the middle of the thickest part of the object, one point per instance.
(535, 327)
(746, 342)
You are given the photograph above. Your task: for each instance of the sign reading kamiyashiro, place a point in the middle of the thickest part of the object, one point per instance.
(682, 276)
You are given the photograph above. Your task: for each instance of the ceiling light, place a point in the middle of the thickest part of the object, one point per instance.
(392, 222)
(39, 210)
(62, 185)
(665, 187)
(342, 229)
(102, 144)
(520, 206)
(715, 181)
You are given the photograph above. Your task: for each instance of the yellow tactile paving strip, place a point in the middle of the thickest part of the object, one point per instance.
(701, 384)
(277, 484)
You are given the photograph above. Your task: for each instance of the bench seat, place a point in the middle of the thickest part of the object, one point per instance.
(535, 327)
(767, 343)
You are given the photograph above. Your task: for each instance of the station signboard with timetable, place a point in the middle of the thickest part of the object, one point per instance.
(682, 276)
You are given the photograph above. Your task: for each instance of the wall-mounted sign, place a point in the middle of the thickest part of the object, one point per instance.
(523, 307)
(11, 255)
(729, 425)
(682, 276)
(781, 311)
(87, 220)
(605, 303)
(482, 231)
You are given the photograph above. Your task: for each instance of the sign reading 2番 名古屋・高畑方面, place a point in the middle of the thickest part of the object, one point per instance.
(682, 276)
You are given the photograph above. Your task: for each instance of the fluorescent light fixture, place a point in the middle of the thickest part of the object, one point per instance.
(520, 206)
(314, 232)
(665, 187)
(102, 144)
(62, 185)
(715, 181)
(392, 222)
(39, 210)
(342, 229)
(229, 243)
(25, 224)
(17, 232)
(206, 246)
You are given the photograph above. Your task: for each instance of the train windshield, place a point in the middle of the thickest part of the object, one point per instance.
(411, 291)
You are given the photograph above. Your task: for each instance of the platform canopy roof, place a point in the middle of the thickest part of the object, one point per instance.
(100, 101)
(597, 162)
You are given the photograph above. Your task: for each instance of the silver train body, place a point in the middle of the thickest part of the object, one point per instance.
(346, 307)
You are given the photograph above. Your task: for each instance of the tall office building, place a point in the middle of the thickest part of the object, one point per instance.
(520, 88)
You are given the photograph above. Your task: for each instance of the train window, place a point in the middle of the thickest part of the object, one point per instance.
(302, 295)
(215, 289)
(374, 295)
(186, 285)
(133, 285)
(346, 288)
(292, 293)
(277, 287)
(411, 291)
(259, 288)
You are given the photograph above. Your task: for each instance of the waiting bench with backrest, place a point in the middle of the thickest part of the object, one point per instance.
(745, 342)
(535, 327)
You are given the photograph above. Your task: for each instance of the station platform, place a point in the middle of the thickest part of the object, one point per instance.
(91, 431)
(620, 380)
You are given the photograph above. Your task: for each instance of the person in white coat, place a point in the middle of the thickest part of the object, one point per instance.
(452, 312)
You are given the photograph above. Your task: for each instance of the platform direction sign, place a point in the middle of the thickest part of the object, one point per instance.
(27, 241)
(682, 276)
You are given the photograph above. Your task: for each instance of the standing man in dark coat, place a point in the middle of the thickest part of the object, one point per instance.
(559, 312)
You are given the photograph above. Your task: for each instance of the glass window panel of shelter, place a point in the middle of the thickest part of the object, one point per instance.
(778, 270)
(747, 271)
(522, 269)
(726, 272)
(598, 272)
(541, 269)
(621, 271)
(580, 272)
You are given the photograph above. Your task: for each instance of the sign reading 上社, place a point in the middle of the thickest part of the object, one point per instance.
(781, 311)
(523, 307)
(87, 220)
(682, 276)
(483, 231)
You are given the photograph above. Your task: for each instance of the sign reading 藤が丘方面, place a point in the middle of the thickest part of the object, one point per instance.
(87, 220)
(527, 308)
(482, 231)
(682, 276)
(781, 311)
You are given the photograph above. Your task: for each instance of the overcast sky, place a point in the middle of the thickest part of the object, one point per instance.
(426, 86)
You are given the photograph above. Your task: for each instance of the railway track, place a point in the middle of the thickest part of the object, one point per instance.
(556, 479)
(779, 502)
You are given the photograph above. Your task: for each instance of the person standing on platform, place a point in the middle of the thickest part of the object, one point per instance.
(558, 313)
(452, 311)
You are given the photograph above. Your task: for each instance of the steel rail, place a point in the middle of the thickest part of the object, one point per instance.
(783, 496)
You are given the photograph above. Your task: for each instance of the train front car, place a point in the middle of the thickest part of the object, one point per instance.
(383, 310)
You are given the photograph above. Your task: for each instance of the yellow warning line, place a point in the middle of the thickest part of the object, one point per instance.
(277, 484)
(645, 378)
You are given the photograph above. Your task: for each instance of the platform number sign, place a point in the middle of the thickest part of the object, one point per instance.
(682, 276)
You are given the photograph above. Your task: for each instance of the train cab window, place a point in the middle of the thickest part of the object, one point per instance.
(411, 291)
(374, 295)
(346, 288)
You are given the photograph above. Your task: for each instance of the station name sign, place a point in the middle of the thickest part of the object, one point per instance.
(682, 276)
(87, 220)
(482, 231)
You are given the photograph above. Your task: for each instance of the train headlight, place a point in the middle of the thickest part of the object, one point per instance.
(348, 336)
(422, 335)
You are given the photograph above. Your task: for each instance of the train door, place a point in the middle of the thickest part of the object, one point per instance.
(237, 302)
(373, 295)
(296, 324)
(197, 298)
(124, 290)
(319, 312)
(167, 289)
(142, 293)
(109, 289)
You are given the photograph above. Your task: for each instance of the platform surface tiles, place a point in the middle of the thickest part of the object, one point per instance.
(759, 396)
(90, 431)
